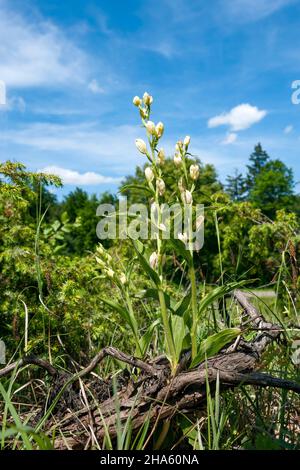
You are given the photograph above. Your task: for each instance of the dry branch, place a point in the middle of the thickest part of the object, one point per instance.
(158, 396)
(269, 331)
(28, 360)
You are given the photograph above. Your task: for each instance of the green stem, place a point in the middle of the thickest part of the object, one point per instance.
(219, 246)
(192, 275)
(169, 338)
(133, 322)
(184, 169)
(194, 311)
(220, 261)
(171, 350)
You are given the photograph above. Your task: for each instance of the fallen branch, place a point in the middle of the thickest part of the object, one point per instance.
(157, 395)
(29, 360)
(270, 331)
(119, 355)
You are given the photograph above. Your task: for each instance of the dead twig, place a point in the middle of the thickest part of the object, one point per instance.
(29, 360)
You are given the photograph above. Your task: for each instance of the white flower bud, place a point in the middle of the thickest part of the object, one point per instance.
(148, 99)
(161, 157)
(123, 278)
(159, 129)
(181, 186)
(150, 126)
(178, 146)
(177, 159)
(100, 261)
(149, 174)
(187, 197)
(187, 141)
(153, 260)
(141, 146)
(183, 237)
(100, 249)
(160, 184)
(162, 227)
(194, 172)
(137, 101)
(110, 273)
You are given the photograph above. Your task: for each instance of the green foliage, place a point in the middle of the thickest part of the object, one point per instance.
(273, 188)
(64, 295)
(236, 186)
(136, 190)
(214, 343)
(258, 159)
(78, 205)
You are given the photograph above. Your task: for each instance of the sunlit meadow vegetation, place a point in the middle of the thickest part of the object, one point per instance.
(65, 296)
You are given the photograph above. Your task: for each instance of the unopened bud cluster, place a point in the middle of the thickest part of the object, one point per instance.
(156, 156)
(190, 172)
(143, 104)
(108, 267)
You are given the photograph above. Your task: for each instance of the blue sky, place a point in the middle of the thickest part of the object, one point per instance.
(219, 70)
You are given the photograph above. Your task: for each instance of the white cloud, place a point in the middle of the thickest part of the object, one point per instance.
(74, 177)
(247, 10)
(36, 53)
(238, 118)
(163, 47)
(288, 129)
(81, 138)
(2, 93)
(230, 138)
(94, 87)
(88, 143)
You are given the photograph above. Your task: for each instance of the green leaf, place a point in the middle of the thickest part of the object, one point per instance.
(16, 418)
(180, 248)
(178, 331)
(139, 248)
(145, 340)
(182, 306)
(56, 225)
(135, 187)
(65, 217)
(217, 293)
(190, 431)
(214, 343)
(125, 314)
(153, 294)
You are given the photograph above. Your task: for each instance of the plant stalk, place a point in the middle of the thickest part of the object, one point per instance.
(194, 311)
(169, 338)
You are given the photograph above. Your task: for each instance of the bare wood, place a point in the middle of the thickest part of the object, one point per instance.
(29, 360)
(270, 331)
(156, 395)
(117, 354)
(109, 351)
(188, 392)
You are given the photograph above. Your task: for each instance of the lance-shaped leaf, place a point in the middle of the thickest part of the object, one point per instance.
(140, 251)
(214, 343)
(125, 314)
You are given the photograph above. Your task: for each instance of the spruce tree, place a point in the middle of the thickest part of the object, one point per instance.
(258, 160)
(236, 186)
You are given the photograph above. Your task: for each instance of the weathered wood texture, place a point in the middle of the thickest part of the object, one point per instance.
(155, 395)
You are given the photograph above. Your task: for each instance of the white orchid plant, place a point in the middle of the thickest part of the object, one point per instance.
(180, 320)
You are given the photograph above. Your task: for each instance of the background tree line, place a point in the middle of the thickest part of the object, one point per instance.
(268, 185)
(247, 208)
(47, 250)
